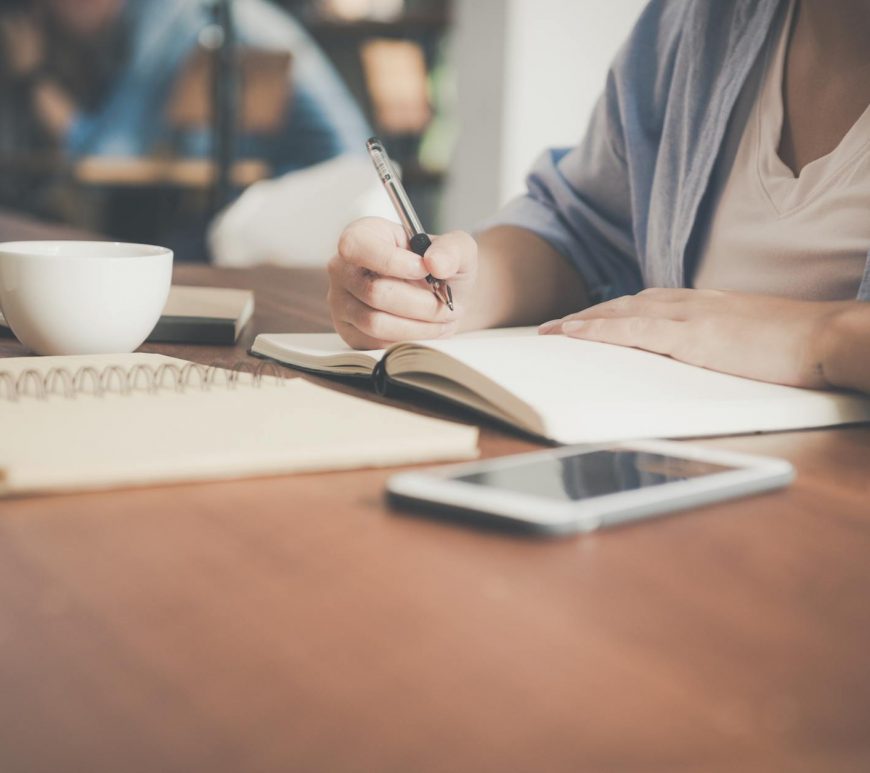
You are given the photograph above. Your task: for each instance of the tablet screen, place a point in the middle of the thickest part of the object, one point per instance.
(580, 476)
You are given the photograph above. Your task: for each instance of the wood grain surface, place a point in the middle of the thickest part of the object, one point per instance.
(297, 623)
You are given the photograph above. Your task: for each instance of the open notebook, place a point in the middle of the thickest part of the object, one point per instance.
(107, 421)
(574, 391)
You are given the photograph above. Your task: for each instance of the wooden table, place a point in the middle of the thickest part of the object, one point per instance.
(297, 623)
(15, 226)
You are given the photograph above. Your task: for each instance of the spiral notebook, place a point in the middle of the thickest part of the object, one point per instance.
(109, 421)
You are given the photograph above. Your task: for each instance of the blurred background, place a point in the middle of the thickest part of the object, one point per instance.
(233, 130)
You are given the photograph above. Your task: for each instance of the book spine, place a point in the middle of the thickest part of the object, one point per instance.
(379, 377)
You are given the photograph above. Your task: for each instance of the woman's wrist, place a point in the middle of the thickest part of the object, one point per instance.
(842, 348)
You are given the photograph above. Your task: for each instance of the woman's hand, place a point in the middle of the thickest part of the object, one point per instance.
(757, 336)
(377, 289)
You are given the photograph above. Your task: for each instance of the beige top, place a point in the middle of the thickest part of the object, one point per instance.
(771, 232)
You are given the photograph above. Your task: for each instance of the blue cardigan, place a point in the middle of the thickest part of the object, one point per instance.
(625, 204)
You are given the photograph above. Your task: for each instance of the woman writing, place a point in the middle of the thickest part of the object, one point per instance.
(717, 211)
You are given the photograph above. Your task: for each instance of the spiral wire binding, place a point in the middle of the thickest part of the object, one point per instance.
(115, 380)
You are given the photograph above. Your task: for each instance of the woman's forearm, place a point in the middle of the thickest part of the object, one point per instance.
(521, 280)
(844, 356)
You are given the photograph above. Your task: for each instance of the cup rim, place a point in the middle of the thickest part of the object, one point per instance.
(36, 248)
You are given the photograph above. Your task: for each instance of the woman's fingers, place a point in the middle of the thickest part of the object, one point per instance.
(450, 254)
(627, 306)
(677, 293)
(380, 328)
(657, 303)
(377, 245)
(395, 296)
(663, 336)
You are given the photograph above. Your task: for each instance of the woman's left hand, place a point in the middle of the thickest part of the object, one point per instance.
(757, 336)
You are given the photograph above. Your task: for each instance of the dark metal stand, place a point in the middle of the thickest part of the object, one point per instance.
(225, 99)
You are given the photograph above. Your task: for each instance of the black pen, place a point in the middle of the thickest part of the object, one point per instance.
(418, 238)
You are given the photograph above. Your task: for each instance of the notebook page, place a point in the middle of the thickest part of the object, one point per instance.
(209, 302)
(585, 391)
(316, 351)
(329, 352)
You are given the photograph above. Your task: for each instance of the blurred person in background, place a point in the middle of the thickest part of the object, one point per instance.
(23, 138)
(94, 78)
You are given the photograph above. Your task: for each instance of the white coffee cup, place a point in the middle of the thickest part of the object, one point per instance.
(66, 297)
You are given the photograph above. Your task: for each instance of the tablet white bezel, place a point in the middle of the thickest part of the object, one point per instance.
(437, 486)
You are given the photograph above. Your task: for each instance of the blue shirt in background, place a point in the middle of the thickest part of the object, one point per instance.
(322, 121)
(626, 205)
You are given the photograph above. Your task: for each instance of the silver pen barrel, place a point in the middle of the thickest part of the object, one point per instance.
(409, 218)
(395, 189)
